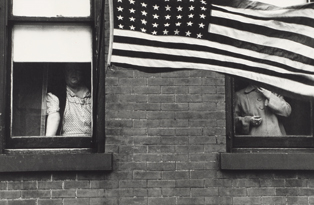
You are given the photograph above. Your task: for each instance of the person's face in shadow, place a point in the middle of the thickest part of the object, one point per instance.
(73, 76)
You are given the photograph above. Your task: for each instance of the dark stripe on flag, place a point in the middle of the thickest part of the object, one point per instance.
(274, 51)
(182, 46)
(296, 20)
(167, 57)
(270, 32)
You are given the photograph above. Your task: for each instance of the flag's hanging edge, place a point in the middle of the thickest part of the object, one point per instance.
(110, 32)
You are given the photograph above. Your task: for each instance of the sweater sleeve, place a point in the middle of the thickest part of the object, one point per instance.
(52, 103)
(278, 105)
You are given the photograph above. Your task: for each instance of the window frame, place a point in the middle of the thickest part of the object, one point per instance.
(96, 143)
(242, 143)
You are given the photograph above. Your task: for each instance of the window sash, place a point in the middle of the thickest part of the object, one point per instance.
(51, 8)
(51, 43)
(235, 142)
(97, 142)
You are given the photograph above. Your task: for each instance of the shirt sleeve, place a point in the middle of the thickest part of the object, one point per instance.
(278, 105)
(52, 103)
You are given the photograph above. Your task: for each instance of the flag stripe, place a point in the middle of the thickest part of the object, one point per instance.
(290, 58)
(274, 47)
(263, 40)
(209, 48)
(265, 30)
(306, 79)
(293, 86)
(277, 24)
(304, 13)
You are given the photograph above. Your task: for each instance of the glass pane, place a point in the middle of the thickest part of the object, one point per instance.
(51, 8)
(51, 43)
(52, 99)
(262, 112)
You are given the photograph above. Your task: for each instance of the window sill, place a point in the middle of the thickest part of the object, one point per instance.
(266, 161)
(56, 162)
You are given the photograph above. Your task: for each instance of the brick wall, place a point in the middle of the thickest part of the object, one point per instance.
(61, 188)
(166, 130)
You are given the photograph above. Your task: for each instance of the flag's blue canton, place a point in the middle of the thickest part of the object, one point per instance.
(163, 17)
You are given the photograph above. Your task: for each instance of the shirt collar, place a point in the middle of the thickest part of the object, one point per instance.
(72, 94)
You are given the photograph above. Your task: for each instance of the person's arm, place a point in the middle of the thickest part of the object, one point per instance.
(53, 121)
(53, 118)
(276, 103)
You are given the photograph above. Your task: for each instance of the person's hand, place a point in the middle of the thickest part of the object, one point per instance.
(256, 121)
(265, 92)
(252, 120)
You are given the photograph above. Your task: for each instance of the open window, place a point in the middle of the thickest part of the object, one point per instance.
(44, 42)
(249, 150)
(41, 42)
(293, 130)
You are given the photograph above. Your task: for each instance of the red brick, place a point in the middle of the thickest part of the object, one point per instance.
(176, 74)
(76, 184)
(146, 140)
(10, 194)
(189, 98)
(163, 201)
(154, 192)
(161, 149)
(174, 90)
(191, 201)
(162, 166)
(203, 192)
(175, 175)
(132, 183)
(140, 192)
(175, 106)
(76, 201)
(187, 81)
(50, 185)
(160, 81)
(63, 193)
(213, 200)
(178, 192)
(161, 183)
(297, 200)
(146, 89)
(161, 131)
(104, 201)
(269, 191)
(174, 140)
(246, 200)
(132, 81)
(50, 202)
(140, 174)
(202, 89)
(273, 200)
(147, 106)
(232, 191)
(90, 193)
(36, 194)
(133, 201)
(189, 183)
(23, 202)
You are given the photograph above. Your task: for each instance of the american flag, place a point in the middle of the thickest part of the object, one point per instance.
(273, 46)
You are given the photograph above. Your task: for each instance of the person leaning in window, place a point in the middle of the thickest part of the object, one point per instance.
(257, 111)
(74, 110)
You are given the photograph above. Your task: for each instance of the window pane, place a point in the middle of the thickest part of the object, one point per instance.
(43, 91)
(268, 114)
(52, 43)
(51, 8)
